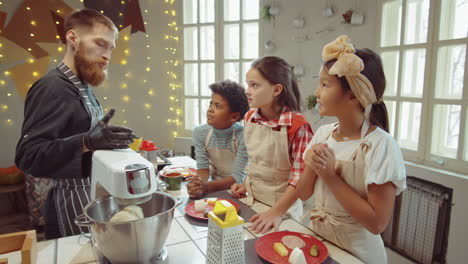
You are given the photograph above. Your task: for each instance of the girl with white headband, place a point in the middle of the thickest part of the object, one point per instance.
(354, 168)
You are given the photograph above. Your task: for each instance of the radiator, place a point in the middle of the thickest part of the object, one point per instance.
(419, 227)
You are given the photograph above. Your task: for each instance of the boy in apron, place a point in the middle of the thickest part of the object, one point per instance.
(354, 167)
(275, 134)
(219, 145)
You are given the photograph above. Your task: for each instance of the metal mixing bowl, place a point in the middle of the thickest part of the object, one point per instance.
(137, 241)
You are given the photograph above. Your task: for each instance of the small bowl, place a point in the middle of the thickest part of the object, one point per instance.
(173, 180)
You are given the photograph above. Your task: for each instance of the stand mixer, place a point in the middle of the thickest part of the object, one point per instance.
(120, 178)
(124, 174)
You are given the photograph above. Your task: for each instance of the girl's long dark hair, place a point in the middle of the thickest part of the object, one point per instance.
(277, 71)
(373, 70)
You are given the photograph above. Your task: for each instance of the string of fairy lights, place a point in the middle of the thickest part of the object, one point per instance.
(172, 62)
(171, 43)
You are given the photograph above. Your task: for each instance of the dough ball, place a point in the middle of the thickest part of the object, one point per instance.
(123, 216)
(136, 210)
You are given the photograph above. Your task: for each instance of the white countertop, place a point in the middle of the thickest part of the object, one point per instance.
(183, 237)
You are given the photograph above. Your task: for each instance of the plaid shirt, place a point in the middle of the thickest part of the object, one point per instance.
(297, 142)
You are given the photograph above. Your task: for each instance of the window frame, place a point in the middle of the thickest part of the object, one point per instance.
(428, 99)
(219, 60)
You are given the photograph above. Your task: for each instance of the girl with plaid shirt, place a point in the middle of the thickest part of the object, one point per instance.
(275, 134)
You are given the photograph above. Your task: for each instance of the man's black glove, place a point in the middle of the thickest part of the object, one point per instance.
(105, 136)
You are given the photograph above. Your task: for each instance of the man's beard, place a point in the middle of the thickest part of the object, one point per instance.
(87, 70)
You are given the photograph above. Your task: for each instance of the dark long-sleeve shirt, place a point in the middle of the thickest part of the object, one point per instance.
(55, 120)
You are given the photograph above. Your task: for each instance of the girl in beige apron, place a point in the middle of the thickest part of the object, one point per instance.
(269, 166)
(331, 221)
(221, 160)
(329, 218)
(272, 90)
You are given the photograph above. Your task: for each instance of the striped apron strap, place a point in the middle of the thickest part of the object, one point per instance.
(72, 195)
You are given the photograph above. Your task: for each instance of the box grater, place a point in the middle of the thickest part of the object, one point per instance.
(225, 244)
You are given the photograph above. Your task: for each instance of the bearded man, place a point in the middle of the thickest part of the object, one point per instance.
(63, 121)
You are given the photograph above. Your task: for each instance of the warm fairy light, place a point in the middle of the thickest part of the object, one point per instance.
(123, 62)
(57, 36)
(31, 60)
(122, 2)
(125, 121)
(57, 22)
(147, 46)
(102, 11)
(28, 8)
(1, 55)
(1, 45)
(9, 121)
(126, 51)
(146, 10)
(35, 74)
(148, 58)
(32, 34)
(148, 69)
(124, 86)
(126, 38)
(148, 117)
(151, 92)
(2, 82)
(8, 94)
(7, 73)
(145, 23)
(4, 108)
(123, 110)
(29, 49)
(58, 11)
(120, 14)
(33, 23)
(145, 81)
(60, 49)
(126, 98)
(171, 37)
(105, 97)
(147, 106)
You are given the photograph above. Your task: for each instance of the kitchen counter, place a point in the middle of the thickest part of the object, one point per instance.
(186, 242)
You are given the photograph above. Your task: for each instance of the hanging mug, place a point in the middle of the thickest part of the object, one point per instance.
(357, 18)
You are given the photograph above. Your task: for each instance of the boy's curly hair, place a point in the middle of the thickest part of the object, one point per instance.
(234, 93)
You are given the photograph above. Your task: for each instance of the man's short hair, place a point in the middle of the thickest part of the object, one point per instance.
(234, 93)
(87, 18)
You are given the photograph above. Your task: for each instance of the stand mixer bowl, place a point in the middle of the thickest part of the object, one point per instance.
(137, 241)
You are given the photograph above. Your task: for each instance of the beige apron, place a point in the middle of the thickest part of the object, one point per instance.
(221, 160)
(269, 166)
(331, 221)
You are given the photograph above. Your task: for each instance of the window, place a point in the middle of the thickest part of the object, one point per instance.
(423, 46)
(220, 40)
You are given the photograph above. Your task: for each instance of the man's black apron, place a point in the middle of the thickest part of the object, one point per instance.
(72, 195)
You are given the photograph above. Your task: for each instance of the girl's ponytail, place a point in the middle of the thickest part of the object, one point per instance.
(379, 116)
